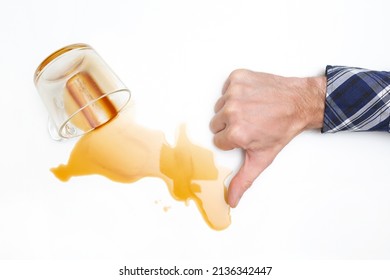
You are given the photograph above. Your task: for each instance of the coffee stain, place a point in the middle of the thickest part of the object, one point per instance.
(124, 151)
(116, 147)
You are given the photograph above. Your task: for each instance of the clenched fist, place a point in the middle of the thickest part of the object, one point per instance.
(260, 113)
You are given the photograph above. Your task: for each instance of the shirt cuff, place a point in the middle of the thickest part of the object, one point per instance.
(357, 99)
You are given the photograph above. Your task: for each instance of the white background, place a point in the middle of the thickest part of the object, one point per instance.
(324, 197)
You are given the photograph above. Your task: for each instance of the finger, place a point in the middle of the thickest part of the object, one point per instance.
(253, 166)
(219, 104)
(217, 123)
(222, 142)
(226, 85)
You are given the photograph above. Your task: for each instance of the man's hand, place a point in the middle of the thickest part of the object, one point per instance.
(261, 113)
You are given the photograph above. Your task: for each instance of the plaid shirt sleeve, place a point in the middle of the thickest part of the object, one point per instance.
(356, 100)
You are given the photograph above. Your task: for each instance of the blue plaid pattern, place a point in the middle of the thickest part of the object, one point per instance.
(356, 100)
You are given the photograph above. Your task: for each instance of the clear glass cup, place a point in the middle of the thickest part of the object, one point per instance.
(79, 90)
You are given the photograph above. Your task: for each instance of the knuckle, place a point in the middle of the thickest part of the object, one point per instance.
(238, 74)
(234, 135)
(235, 89)
(231, 108)
(237, 135)
(238, 89)
(232, 114)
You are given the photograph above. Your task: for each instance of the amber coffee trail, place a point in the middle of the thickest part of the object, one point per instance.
(124, 151)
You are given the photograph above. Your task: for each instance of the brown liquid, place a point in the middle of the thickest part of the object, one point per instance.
(125, 152)
(81, 89)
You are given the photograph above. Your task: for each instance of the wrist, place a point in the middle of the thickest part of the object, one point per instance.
(313, 91)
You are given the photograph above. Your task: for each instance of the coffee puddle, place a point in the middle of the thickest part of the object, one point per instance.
(124, 151)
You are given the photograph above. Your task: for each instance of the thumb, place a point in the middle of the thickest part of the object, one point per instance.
(254, 164)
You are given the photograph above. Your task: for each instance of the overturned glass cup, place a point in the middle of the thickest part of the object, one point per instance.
(79, 90)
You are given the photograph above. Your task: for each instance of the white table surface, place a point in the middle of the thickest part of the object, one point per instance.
(325, 196)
